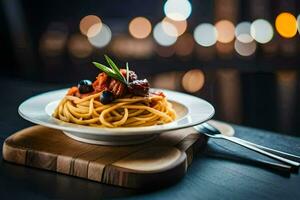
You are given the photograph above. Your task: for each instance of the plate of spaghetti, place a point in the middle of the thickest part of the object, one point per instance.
(116, 108)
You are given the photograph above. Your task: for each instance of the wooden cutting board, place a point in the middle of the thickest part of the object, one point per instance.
(161, 161)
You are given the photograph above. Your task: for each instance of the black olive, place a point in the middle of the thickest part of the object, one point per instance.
(85, 86)
(106, 97)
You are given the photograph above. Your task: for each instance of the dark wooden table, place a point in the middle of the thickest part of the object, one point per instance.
(223, 171)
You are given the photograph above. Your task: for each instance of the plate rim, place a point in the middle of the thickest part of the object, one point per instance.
(122, 131)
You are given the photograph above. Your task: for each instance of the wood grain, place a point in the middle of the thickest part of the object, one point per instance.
(161, 161)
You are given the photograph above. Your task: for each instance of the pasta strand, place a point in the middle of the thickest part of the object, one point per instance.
(123, 112)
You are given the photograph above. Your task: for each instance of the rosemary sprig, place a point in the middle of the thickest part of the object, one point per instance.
(114, 67)
(114, 71)
(109, 72)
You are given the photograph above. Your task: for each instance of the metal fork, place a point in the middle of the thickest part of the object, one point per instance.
(213, 132)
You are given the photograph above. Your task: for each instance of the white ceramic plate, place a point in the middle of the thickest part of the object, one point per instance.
(190, 110)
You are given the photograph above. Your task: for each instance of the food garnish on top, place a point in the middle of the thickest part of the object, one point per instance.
(112, 82)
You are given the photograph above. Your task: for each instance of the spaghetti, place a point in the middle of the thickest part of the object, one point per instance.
(123, 112)
(117, 98)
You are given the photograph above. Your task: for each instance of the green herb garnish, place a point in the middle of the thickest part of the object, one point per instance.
(114, 71)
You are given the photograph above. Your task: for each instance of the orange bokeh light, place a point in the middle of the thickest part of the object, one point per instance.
(225, 31)
(179, 25)
(90, 21)
(193, 80)
(286, 25)
(140, 27)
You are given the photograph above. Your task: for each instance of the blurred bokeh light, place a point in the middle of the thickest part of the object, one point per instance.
(178, 9)
(245, 49)
(88, 22)
(225, 31)
(205, 34)
(193, 80)
(162, 37)
(262, 31)
(179, 25)
(242, 32)
(286, 25)
(140, 27)
(102, 38)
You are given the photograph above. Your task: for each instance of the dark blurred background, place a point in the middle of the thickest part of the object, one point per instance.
(242, 56)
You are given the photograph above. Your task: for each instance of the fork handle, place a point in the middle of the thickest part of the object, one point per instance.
(274, 151)
(293, 164)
